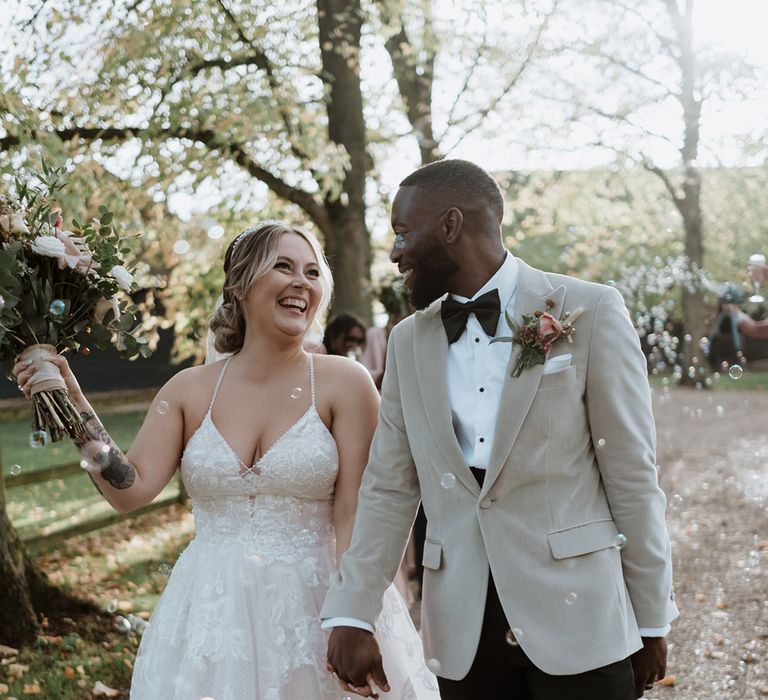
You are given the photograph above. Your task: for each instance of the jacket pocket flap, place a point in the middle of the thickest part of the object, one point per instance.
(433, 555)
(583, 539)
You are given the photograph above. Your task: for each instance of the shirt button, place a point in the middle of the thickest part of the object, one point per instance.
(477, 340)
(482, 389)
(482, 439)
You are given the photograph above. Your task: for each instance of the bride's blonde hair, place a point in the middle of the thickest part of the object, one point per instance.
(251, 255)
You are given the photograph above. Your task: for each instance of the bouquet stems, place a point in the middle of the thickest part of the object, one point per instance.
(52, 408)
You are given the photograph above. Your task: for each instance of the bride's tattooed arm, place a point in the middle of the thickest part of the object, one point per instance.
(115, 469)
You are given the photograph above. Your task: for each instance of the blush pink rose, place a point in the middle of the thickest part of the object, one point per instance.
(549, 327)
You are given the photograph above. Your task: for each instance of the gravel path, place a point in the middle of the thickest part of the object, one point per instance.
(713, 458)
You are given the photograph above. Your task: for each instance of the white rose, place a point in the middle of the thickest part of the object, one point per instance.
(17, 223)
(123, 278)
(48, 245)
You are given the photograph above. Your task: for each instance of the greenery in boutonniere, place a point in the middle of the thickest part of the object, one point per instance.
(536, 335)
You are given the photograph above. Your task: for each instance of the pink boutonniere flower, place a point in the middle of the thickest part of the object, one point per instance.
(536, 335)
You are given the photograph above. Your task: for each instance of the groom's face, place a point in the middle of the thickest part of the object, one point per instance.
(420, 252)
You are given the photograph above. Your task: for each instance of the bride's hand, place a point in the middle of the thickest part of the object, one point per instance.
(25, 371)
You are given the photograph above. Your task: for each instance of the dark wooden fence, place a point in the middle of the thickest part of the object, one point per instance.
(45, 542)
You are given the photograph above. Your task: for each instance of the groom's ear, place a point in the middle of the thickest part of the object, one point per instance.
(452, 221)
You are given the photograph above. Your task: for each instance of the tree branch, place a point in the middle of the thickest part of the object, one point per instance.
(529, 54)
(656, 170)
(274, 82)
(206, 137)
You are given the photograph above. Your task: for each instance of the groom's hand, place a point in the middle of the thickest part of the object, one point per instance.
(649, 664)
(353, 655)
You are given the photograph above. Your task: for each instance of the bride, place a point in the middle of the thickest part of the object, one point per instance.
(271, 443)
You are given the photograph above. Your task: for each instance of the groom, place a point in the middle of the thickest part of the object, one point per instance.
(547, 571)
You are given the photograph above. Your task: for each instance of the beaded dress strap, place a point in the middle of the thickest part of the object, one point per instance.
(218, 384)
(312, 377)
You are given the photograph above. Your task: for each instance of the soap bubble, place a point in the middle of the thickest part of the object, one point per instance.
(601, 443)
(38, 438)
(57, 308)
(447, 480)
(735, 372)
(15, 469)
(571, 598)
(434, 665)
(676, 501)
(620, 541)
(163, 407)
(215, 232)
(181, 247)
(296, 392)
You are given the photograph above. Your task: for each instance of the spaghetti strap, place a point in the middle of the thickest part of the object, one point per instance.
(312, 377)
(218, 383)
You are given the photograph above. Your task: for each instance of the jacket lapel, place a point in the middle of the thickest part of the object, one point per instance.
(517, 394)
(430, 356)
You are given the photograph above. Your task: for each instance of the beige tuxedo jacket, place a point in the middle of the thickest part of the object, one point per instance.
(572, 466)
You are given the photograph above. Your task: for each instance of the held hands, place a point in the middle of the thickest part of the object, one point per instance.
(649, 664)
(353, 655)
(24, 372)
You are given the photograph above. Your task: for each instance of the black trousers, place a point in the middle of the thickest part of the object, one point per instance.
(503, 672)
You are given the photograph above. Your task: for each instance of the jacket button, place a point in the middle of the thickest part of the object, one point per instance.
(486, 503)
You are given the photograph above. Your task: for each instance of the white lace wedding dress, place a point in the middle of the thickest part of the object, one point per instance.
(238, 619)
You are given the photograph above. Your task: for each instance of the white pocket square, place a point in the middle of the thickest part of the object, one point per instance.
(557, 364)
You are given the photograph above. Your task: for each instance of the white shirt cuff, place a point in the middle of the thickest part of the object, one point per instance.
(655, 631)
(348, 622)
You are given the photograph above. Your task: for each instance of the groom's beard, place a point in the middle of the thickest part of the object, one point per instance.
(433, 270)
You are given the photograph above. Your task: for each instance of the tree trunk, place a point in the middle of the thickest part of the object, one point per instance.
(690, 204)
(18, 622)
(25, 592)
(347, 242)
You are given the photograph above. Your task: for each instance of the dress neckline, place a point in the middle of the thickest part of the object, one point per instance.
(254, 468)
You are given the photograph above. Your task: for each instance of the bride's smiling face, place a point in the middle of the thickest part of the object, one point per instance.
(287, 296)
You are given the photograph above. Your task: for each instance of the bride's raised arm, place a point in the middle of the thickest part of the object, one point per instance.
(132, 479)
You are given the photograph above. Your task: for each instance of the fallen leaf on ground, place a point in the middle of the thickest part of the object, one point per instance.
(668, 681)
(8, 651)
(101, 690)
(17, 670)
(32, 688)
(69, 672)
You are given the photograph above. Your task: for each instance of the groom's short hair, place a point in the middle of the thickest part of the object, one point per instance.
(459, 181)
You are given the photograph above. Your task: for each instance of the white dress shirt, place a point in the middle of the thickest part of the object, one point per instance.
(476, 370)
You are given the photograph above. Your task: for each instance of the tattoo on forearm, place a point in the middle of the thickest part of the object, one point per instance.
(116, 470)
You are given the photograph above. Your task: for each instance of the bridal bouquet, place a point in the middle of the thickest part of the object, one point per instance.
(61, 288)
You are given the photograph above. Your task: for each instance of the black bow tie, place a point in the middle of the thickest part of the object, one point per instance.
(486, 307)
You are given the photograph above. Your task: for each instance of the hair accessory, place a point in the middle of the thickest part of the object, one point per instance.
(252, 229)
